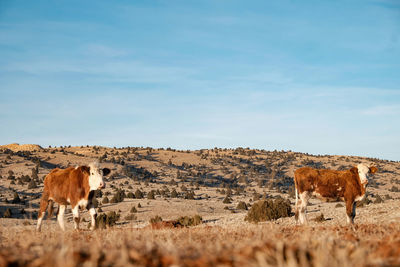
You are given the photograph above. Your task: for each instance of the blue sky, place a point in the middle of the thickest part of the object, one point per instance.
(311, 76)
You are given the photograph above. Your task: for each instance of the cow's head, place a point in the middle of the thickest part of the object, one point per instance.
(96, 176)
(364, 171)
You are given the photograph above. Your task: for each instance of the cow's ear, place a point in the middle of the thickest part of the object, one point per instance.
(85, 169)
(106, 171)
(354, 170)
(373, 169)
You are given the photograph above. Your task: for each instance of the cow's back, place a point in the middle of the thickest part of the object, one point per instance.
(324, 183)
(57, 184)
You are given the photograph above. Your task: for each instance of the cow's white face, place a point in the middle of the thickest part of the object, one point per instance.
(364, 172)
(96, 176)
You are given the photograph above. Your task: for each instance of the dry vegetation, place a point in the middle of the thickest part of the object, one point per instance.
(199, 201)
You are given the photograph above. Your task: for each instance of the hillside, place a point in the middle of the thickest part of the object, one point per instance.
(171, 183)
(204, 177)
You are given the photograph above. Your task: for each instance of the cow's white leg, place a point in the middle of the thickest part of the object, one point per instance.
(75, 213)
(39, 223)
(93, 215)
(304, 197)
(60, 216)
(350, 211)
(298, 201)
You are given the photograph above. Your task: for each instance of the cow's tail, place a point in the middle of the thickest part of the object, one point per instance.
(50, 208)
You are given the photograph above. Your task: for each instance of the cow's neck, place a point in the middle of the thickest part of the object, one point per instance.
(85, 185)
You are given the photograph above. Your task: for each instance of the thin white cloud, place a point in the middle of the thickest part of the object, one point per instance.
(102, 50)
(382, 110)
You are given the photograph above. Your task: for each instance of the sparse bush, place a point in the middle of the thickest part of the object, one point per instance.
(32, 184)
(269, 210)
(138, 194)
(339, 205)
(105, 200)
(387, 197)
(227, 200)
(133, 210)
(394, 189)
(190, 221)
(16, 199)
(320, 218)
(7, 213)
(174, 194)
(151, 195)
(104, 220)
(155, 219)
(130, 217)
(118, 196)
(378, 199)
(241, 205)
(130, 195)
(364, 202)
(189, 195)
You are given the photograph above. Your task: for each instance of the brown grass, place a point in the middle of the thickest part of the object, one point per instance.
(262, 245)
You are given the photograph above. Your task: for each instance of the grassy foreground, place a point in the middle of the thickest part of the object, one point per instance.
(253, 245)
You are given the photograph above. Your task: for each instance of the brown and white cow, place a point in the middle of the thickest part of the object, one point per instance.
(74, 186)
(331, 185)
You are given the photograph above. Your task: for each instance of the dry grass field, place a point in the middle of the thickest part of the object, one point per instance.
(146, 182)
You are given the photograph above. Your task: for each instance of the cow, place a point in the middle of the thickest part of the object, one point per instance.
(74, 186)
(331, 185)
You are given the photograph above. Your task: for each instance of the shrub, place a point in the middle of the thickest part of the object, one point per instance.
(155, 219)
(130, 217)
(320, 218)
(364, 202)
(118, 196)
(269, 210)
(394, 189)
(190, 221)
(7, 213)
(16, 199)
(189, 195)
(227, 200)
(174, 194)
(138, 194)
(138, 205)
(378, 199)
(104, 220)
(130, 195)
(151, 195)
(105, 200)
(242, 205)
(339, 205)
(387, 197)
(133, 210)
(32, 184)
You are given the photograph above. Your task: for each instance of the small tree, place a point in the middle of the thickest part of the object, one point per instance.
(174, 194)
(138, 194)
(150, 195)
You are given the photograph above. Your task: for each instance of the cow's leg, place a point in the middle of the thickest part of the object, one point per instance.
(60, 216)
(297, 207)
(75, 213)
(350, 211)
(93, 216)
(304, 197)
(44, 202)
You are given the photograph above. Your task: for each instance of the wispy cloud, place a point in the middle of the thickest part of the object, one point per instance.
(382, 110)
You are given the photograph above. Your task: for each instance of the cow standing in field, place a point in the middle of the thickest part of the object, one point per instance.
(74, 186)
(331, 185)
